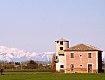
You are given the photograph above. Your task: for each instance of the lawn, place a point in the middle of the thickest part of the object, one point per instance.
(49, 76)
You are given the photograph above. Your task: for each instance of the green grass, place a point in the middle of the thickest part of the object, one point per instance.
(28, 70)
(50, 76)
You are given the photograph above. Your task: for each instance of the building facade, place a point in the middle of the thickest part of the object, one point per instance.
(61, 45)
(81, 58)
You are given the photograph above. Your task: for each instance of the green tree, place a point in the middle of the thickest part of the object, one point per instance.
(53, 65)
(32, 65)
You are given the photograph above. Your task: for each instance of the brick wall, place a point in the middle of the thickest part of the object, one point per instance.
(81, 61)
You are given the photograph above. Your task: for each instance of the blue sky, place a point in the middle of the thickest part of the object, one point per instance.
(34, 25)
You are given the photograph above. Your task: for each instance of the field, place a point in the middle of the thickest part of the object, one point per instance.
(49, 76)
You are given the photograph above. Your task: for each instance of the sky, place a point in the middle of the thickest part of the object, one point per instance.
(34, 25)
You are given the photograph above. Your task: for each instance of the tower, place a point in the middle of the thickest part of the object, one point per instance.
(61, 45)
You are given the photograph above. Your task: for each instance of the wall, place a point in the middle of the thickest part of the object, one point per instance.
(61, 58)
(100, 61)
(83, 60)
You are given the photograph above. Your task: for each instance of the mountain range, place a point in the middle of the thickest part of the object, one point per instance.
(17, 55)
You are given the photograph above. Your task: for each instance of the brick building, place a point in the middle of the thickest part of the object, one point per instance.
(81, 58)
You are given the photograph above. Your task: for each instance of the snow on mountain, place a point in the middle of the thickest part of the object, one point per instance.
(16, 55)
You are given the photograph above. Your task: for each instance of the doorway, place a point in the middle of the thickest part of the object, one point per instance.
(89, 68)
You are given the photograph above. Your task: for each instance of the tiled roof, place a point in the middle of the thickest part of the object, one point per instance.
(82, 47)
(62, 39)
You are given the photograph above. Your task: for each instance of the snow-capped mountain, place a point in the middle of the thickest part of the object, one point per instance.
(16, 55)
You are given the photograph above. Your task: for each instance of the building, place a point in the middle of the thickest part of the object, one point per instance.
(61, 45)
(81, 58)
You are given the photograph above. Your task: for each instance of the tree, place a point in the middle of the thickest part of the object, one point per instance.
(53, 65)
(1, 71)
(32, 65)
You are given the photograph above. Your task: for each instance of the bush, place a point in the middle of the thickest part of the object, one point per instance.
(61, 70)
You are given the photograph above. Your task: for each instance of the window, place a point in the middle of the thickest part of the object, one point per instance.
(61, 66)
(61, 42)
(57, 41)
(72, 66)
(81, 65)
(72, 55)
(89, 55)
(61, 48)
(56, 57)
(61, 54)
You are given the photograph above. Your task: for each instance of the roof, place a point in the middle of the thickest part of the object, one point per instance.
(82, 47)
(61, 52)
(62, 39)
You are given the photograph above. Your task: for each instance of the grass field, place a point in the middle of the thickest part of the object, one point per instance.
(49, 76)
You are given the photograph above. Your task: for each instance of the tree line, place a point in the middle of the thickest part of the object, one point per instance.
(28, 65)
(24, 65)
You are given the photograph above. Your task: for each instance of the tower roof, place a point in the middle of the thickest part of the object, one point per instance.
(82, 47)
(62, 39)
